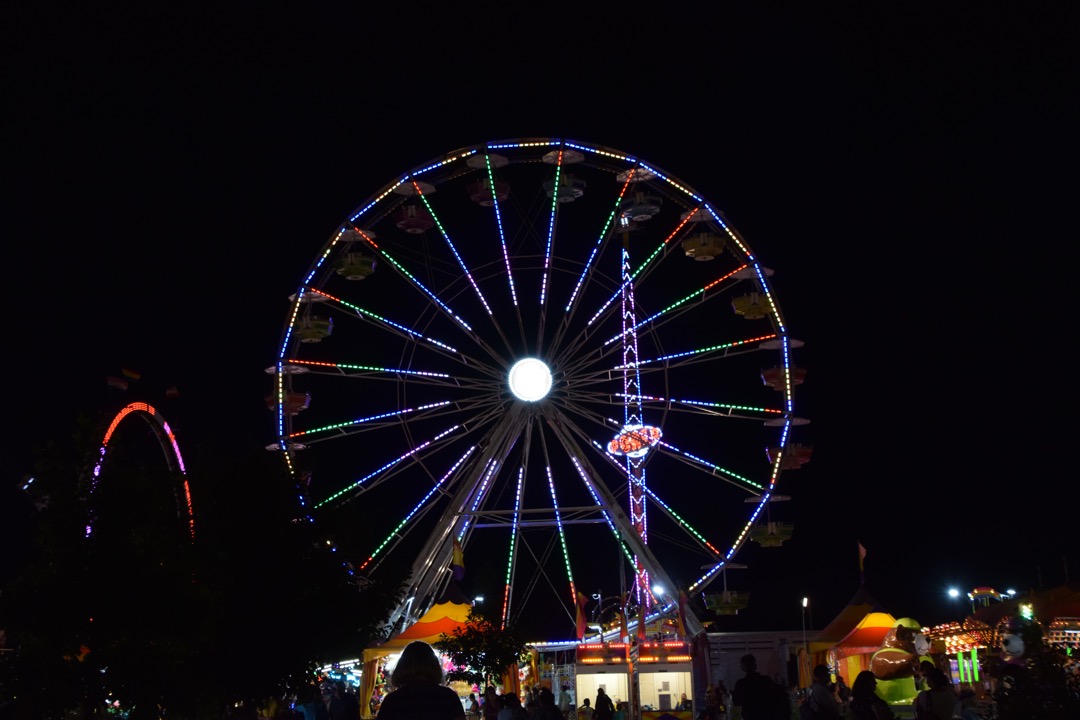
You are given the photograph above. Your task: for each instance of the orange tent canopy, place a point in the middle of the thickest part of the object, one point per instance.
(441, 619)
(868, 635)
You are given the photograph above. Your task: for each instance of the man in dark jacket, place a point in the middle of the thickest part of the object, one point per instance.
(750, 696)
(603, 709)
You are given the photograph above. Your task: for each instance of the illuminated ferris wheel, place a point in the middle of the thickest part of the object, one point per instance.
(552, 356)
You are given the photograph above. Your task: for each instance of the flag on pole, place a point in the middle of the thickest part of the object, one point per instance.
(682, 613)
(581, 600)
(862, 556)
(457, 562)
(116, 382)
(130, 374)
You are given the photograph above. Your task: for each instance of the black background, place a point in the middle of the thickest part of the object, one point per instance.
(907, 174)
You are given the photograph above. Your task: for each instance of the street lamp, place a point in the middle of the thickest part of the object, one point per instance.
(806, 648)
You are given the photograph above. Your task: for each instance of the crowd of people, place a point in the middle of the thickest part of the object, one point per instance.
(538, 703)
(420, 690)
(756, 697)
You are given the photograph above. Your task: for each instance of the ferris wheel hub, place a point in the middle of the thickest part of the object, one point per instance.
(530, 379)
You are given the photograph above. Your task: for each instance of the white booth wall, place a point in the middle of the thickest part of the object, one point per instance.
(662, 689)
(615, 682)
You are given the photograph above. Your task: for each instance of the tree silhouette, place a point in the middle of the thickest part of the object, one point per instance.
(483, 651)
(142, 613)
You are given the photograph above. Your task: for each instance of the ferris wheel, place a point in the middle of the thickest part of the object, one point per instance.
(547, 357)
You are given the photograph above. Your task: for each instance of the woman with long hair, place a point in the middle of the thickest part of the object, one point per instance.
(866, 704)
(418, 688)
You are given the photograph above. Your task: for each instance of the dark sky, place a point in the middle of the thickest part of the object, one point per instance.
(906, 175)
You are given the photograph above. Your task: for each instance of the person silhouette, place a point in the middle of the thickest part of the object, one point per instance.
(750, 695)
(603, 708)
(418, 688)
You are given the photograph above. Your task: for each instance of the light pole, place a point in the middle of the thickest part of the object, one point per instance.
(806, 648)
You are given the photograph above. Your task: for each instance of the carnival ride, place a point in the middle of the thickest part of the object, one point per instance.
(166, 440)
(495, 347)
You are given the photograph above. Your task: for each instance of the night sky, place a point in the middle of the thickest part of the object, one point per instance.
(170, 179)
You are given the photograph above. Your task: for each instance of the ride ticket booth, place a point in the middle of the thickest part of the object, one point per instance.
(645, 680)
(602, 665)
(664, 673)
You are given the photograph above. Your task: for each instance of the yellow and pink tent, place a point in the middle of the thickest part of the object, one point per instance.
(441, 619)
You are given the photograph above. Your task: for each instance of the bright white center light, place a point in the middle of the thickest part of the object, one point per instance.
(530, 379)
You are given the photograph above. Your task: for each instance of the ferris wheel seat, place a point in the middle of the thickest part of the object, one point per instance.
(570, 189)
(480, 192)
(313, 329)
(774, 377)
(794, 457)
(414, 220)
(703, 246)
(750, 306)
(641, 208)
(695, 216)
(291, 404)
(771, 534)
(356, 266)
(728, 602)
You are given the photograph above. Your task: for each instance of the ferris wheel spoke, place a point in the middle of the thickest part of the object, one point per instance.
(677, 308)
(715, 409)
(558, 518)
(395, 328)
(515, 535)
(353, 370)
(499, 225)
(636, 551)
(605, 502)
(690, 355)
(386, 471)
(397, 535)
(432, 564)
(730, 476)
(368, 423)
(453, 249)
(598, 248)
(414, 282)
(469, 275)
(511, 565)
(607, 306)
(698, 538)
(603, 358)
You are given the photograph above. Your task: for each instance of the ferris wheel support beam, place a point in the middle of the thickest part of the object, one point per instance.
(627, 533)
(431, 568)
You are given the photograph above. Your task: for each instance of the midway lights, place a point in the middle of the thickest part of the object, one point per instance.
(530, 380)
(612, 653)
